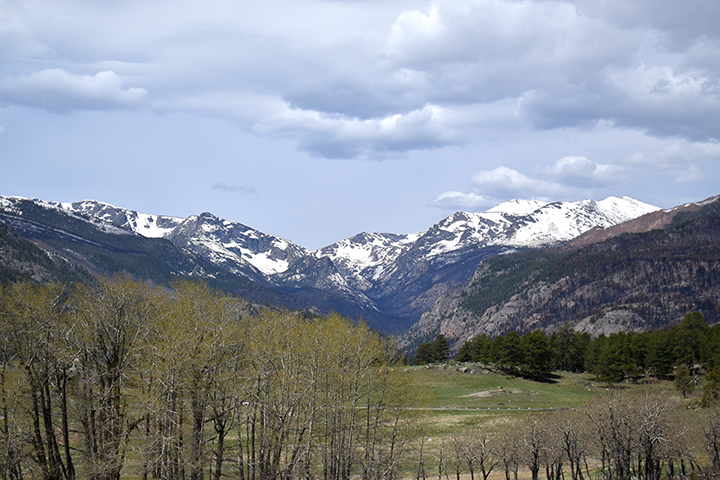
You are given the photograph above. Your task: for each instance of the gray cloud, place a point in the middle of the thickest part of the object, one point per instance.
(17, 41)
(333, 75)
(59, 91)
(655, 100)
(336, 136)
(679, 25)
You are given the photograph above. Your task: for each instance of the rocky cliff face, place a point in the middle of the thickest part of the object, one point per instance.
(630, 282)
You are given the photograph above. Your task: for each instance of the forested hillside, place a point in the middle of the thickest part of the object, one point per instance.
(631, 282)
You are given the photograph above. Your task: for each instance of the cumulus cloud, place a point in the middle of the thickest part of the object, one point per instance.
(581, 171)
(680, 26)
(60, 91)
(504, 182)
(469, 202)
(337, 136)
(357, 79)
(572, 65)
(569, 175)
(490, 187)
(488, 50)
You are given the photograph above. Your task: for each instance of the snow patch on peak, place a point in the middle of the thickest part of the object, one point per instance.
(517, 207)
(562, 221)
(144, 224)
(625, 208)
(373, 253)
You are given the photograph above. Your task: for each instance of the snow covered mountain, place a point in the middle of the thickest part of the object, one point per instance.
(371, 259)
(238, 248)
(383, 276)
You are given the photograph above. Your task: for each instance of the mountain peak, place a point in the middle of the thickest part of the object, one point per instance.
(517, 207)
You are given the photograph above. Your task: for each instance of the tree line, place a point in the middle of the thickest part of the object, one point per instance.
(690, 344)
(124, 378)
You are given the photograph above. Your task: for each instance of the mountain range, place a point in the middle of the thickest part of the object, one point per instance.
(641, 274)
(387, 279)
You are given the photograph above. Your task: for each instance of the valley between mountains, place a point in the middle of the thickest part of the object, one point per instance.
(413, 285)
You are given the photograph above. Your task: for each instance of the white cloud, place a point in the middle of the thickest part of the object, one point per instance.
(469, 202)
(571, 175)
(504, 182)
(331, 75)
(60, 91)
(581, 171)
(490, 187)
(338, 136)
(571, 66)
(491, 49)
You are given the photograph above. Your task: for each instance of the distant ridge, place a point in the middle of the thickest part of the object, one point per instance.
(388, 280)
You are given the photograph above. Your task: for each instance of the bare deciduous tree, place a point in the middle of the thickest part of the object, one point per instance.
(112, 322)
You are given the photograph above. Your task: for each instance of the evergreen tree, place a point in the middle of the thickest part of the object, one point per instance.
(688, 338)
(661, 353)
(481, 346)
(711, 388)
(424, 354)
(497, 349)
(509, 351)
(538, 355)
(684, 380)
(710, 347)
(592, 355)
(465, 354)
(568, 349)
(616, 360)
(440, 349)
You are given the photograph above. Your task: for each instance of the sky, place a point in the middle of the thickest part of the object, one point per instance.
(316, 120)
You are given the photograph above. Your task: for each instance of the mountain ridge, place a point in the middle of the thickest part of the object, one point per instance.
(387, 279)
(629, 277)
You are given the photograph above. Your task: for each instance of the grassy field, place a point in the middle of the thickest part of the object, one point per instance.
(454, 402)
(445, 387)
(448, 388)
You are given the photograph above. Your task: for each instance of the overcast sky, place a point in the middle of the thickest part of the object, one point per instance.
(316, 120)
